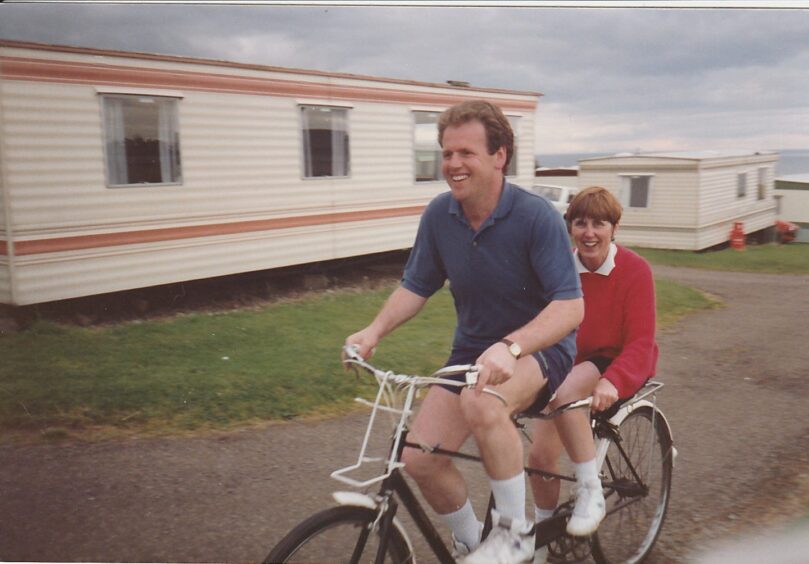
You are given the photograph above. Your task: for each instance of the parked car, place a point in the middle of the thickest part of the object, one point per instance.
(559, 196)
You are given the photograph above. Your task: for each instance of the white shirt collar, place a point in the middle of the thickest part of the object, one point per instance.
(605, 268)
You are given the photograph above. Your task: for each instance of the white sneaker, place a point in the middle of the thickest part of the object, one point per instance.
(541, 555)
(589, 510)
(459, 549)
(511, 541)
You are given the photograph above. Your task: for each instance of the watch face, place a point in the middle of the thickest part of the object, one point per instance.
(515, 350)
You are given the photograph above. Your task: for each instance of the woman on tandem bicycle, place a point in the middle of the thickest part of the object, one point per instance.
(616, 349)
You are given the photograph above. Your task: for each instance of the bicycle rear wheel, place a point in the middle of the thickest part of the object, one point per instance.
(635, 511)
(339, 534)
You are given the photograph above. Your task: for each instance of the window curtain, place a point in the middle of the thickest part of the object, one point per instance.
(307, 144)
(339, 143)
(116, 141)
(165, 132)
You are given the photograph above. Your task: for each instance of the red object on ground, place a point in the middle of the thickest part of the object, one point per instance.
(786, 231)
(737, 236)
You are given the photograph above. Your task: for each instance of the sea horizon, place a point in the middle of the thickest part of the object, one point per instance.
(790, 161)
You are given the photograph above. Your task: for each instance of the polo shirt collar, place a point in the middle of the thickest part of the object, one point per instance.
(504, 204)
(605, 268)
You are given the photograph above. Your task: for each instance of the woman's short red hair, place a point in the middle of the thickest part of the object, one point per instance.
(596, 203)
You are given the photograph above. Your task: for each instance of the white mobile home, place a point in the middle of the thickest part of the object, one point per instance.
(125, 170)
(686, 200)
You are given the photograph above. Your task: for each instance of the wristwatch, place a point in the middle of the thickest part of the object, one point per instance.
(513, 348)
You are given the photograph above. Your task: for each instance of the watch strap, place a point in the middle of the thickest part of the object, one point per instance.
(511, 346)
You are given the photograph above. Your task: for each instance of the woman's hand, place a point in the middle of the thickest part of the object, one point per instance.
(604, 395)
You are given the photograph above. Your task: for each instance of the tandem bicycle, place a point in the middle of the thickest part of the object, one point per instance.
(634, 450)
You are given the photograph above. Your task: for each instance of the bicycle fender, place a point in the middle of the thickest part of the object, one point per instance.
(362, 500)
(629, 408)
(354, 498)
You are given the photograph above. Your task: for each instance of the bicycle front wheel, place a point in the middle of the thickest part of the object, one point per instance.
(340, 534)
(637, 503)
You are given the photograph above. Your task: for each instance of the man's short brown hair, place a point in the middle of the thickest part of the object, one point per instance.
(495, 123)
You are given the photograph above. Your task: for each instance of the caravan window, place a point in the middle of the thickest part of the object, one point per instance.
(141, 140)
(741, 185)
(325, 141)
(427, 152)
(635, 190)
(511, 169)
(762, 183)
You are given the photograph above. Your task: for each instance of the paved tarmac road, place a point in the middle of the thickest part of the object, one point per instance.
(736, 396)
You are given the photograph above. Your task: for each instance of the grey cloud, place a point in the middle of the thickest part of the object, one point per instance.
(673, 74)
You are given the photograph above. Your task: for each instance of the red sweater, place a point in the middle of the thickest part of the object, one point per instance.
(619, 322)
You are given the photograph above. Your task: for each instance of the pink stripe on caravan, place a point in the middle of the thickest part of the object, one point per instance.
(62, 244)
(42, 70)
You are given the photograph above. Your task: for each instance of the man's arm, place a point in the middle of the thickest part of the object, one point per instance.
(401, 306)
(553, 323)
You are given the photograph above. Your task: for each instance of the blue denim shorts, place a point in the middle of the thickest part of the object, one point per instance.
(554, 364)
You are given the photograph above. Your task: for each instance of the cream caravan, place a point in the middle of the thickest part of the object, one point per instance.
(125, 170)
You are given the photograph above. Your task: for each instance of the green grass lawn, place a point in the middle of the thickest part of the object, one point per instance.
(777, 259)
(217, 371)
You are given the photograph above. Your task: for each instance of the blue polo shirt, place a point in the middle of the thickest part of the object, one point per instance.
(501, 276)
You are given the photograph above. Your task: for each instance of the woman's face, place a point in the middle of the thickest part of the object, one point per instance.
(592, 238)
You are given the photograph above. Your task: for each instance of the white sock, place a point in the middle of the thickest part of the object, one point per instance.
(542, 514)
(586, 472)
(464, 525)
(509, 496)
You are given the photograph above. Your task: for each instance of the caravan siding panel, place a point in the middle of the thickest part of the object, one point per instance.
(55, 276)
(719, 201)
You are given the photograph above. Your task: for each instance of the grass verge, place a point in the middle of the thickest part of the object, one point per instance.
(208, 371)
(774, 259)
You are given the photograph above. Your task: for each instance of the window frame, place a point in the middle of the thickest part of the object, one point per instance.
(741, 185)
(173, 98)
(514, 121)
(435, 148)
(301, 107)
(626, 189)
(762, 182)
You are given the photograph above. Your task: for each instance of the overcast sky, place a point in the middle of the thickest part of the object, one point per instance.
(613, 79)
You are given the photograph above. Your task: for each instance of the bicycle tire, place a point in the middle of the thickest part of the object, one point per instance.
(332, 536)
(629, 533)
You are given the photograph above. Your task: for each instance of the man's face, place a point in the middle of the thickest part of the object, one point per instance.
(471, 172)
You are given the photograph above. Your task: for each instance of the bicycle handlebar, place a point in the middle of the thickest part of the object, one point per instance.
(351, 356)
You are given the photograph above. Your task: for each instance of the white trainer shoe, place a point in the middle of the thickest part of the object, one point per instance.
(459, 548)
(541, 555)
(511, 541)
(588, 511)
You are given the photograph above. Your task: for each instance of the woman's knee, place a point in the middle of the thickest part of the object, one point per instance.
(543, 456)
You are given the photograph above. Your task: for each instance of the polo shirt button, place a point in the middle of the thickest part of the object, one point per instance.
(474, 243)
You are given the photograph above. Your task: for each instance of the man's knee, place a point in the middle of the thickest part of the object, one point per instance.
(481, 411)
(421, 465)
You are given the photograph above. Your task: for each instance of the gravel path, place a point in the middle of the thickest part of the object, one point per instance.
(735, 396)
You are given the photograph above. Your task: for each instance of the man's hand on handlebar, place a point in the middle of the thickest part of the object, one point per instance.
(497, 365)
(363, 343)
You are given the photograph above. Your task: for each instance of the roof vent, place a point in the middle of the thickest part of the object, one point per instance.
(461, 83)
